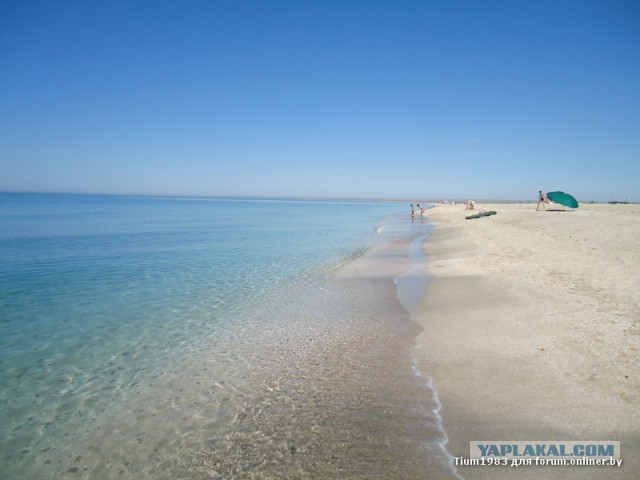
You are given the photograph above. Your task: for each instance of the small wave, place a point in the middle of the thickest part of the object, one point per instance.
(378, 229)
(437, 412)
(349, 258)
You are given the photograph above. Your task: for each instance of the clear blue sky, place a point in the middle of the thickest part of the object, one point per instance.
(346, 98)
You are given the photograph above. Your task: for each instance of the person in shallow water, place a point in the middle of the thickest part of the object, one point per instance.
(412, 211)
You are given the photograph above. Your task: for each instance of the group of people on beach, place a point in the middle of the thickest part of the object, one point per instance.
(420, 207)
(471, 205)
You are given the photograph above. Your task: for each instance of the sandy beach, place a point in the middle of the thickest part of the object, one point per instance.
(532, 330)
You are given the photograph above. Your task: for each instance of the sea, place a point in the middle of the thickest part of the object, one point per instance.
(202, 338)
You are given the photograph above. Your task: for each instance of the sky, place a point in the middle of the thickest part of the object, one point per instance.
(327, 98)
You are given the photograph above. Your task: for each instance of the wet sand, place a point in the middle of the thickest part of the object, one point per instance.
(532, 330)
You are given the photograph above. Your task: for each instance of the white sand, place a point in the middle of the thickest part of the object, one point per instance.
(532, 330)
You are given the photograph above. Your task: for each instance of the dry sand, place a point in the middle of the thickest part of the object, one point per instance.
(532, 330)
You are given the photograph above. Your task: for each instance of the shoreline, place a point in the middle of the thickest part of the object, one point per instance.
(531, 330)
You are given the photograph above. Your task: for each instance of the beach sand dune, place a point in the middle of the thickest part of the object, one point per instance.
(532, 330)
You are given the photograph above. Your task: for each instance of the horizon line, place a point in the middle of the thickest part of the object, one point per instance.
(287, 197)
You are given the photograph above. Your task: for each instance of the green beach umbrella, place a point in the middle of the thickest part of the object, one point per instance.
(563, 199)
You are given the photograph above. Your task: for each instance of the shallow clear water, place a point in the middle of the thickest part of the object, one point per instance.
(200, 338)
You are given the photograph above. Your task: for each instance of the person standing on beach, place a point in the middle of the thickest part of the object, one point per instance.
(542, 199)
(421, 210)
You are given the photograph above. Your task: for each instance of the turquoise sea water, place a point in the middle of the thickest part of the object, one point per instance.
(109, 304)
